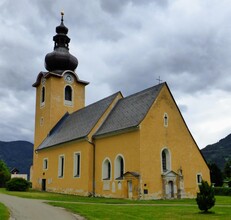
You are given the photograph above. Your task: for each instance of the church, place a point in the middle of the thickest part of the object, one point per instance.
(136, 147)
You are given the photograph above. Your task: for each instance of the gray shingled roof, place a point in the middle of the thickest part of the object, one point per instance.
(78, 124)
(129, 111)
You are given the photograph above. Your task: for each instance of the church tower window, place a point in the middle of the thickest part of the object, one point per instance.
(43, 94)
(106, 169)
(119, 167)
(68, 96)
(68, 93)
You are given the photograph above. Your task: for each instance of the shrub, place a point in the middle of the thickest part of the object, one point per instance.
(222, 191)
(205, 198)
(17, 184)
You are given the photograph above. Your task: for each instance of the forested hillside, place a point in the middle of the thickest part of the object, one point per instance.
(17, 154)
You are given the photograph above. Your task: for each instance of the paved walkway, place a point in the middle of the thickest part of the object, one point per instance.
(31, 209)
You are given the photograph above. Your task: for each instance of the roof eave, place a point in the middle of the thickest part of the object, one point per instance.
(64, 142)
(120, 131)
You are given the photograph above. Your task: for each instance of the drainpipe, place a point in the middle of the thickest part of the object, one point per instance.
(93, 174)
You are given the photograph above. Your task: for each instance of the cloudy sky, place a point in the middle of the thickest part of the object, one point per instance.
(122, 45)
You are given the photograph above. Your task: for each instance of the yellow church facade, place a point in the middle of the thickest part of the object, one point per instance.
(136, 147)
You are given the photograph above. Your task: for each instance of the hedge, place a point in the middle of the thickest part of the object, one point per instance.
(222, 191)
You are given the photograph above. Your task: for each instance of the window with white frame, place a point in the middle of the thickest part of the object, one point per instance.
(45, 163)
(106, 175)
(119, 167)
(165, 120)
(77, 161)
(61, 166)
(165, 160)
(43, 95)
(199, 178)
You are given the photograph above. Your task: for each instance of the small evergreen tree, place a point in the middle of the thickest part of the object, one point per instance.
(205, 198)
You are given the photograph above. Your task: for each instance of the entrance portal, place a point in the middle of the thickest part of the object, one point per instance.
(130, 189)
(171, 189)
(43, 184)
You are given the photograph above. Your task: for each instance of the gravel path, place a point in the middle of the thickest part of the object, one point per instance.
(31, 209)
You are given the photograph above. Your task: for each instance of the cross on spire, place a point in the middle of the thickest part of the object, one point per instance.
(159, 80)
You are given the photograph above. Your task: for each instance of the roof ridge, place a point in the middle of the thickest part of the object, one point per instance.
(143, 91)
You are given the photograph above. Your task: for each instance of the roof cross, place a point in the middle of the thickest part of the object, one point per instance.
(159, 80)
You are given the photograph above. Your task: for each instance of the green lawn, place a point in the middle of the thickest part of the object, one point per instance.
(102, 208)
(4, 214)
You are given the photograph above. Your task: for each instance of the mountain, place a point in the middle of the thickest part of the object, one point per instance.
(218, 153)
(17, 154)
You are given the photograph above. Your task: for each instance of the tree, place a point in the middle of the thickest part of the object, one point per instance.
(205, 198)
(227, 169)
(4, 173)
(215, 175)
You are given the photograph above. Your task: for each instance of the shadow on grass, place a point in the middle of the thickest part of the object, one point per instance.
(206, 213)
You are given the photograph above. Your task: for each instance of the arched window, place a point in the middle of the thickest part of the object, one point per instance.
(165, 160)
(106, 170)
(68, 93)
(119, 167)
(43, 95)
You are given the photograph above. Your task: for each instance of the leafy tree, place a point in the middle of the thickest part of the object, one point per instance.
(205, 198)
(227, 169)
(4, 173)
(216, 175)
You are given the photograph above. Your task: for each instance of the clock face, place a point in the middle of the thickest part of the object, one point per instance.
(69, 78)
(43, 81)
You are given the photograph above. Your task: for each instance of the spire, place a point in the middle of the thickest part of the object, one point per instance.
(60, 59)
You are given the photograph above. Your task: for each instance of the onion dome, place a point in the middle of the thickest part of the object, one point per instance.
(60, 59)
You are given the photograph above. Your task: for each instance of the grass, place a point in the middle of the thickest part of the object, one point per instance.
(102, 208)
(4, 214)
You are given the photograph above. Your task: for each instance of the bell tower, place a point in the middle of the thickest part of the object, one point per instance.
(59, 89)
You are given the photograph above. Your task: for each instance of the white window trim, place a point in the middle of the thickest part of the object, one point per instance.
(59, 166)
(45, 159)
(199, 174)
(75, 164)
(168, 163)
(166, 119)
(102, 176)
(115, 168)
(42, 103)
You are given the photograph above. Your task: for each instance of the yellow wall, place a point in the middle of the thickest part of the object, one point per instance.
(177, 139)
(127, 145)
(68, 183)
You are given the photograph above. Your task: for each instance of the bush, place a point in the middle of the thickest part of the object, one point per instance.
(205, 198)
(222, 191)
(17, 184)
